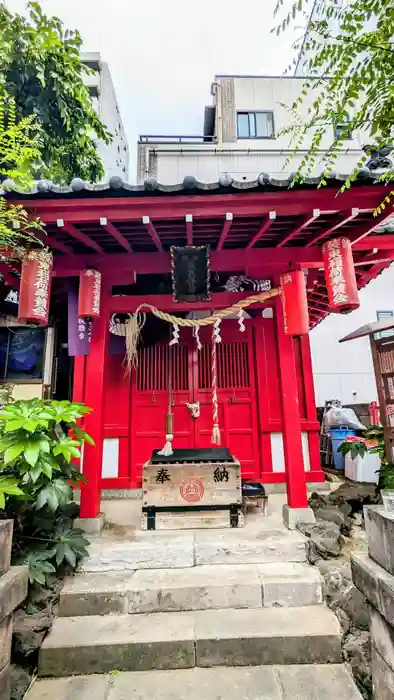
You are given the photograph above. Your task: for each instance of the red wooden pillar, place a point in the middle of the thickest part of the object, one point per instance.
(94, 422)
(297, 496)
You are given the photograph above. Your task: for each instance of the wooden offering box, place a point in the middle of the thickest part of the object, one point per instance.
(196, 488)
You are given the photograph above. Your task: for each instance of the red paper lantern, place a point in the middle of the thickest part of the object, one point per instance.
(35, 287)
(295, 303)
(340, 275)
(89, 294)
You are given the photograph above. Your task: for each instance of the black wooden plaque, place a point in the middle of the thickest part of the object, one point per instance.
(190, 273)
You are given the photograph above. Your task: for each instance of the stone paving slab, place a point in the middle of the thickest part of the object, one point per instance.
(79, 645)
(290, 585)
(98, 644)
(246, 549)
(103, 593)
(198, 588)
(247, 683)
(267, 636)
(192, 588)
(316, 683)
(160, 553)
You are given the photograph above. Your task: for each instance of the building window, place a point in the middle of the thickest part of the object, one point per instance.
(380, 316)
(22, 353)
(342, 131)
(255, 125)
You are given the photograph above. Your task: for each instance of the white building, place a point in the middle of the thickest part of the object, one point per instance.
(240, 140)
(115, 155)
(240, 136)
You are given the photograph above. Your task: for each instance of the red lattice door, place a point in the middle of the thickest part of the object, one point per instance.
(191, 383)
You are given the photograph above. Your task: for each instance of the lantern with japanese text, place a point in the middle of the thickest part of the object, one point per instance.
(295, 303)
(340, 275)
(35, 287)
(89, 294)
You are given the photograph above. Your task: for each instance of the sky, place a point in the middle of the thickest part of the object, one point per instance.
(163, 54)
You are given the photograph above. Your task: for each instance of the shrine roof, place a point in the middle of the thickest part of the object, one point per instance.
(117, 187)
(260, 227)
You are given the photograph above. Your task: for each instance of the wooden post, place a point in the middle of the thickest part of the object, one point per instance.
(94, 422)
(297, 496)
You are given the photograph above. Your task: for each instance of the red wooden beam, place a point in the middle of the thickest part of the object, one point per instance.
(383, 242)
(82, 237)
(152, 232)
(189, 228)
(227, 260)
(350, 217)
(219, 300)
(263, 228)
(307, 221)
(119, 237)
(228, 222)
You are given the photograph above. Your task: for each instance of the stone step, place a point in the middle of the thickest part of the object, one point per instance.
(248, 683)
(159, 641)
(194, 588)
(154, 550)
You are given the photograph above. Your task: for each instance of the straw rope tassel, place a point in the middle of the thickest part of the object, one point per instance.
(216, 438)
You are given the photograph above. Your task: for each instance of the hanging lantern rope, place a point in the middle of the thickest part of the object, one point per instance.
(136, 321)
(216, 438)
(167, 450)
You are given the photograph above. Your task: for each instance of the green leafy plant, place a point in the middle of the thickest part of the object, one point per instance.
(38, 442)
(348, 51)
(42, 70)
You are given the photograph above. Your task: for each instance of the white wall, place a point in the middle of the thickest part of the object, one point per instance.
(345, 371)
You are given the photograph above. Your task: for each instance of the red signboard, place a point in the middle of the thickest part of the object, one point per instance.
(295, 303)
(340, 275)
(34, 295)
(89, 294)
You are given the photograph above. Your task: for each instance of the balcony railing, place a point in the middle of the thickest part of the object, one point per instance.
(160, 138)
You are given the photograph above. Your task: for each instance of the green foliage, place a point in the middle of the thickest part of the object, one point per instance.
(356, 449)
(354, 65)
(38, 442)
(41, 68)
(20, 142)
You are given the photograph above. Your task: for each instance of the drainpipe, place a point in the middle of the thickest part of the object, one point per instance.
(219, 116)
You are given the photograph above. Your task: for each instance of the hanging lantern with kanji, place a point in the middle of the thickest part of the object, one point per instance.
(89, 294)
(35, 287)
(340, 276)
(295, 303)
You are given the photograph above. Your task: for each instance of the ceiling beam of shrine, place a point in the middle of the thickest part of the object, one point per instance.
(152, 232)
(189, 228)
(81, 237)
(366, 229)
(228, 222)
(52, 242)
(308, 220)
(344, 220)
(117, 235)
(263, 228)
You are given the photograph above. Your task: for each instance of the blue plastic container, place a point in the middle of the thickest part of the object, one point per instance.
(338, 436)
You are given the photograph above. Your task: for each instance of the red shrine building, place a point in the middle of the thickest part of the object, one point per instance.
(114, 249)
